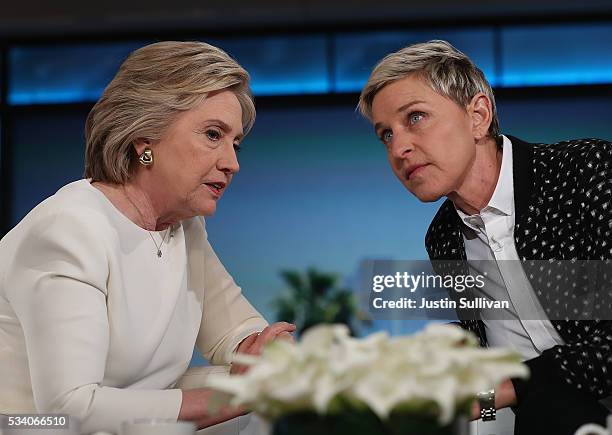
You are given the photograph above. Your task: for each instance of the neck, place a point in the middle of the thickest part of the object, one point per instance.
(477, 188)
(136, 203)
(142, 204)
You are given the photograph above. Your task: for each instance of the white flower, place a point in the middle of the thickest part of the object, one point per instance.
(441, 367)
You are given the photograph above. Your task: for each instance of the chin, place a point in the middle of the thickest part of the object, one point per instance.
(208, 211)
(205, 210)
(427, 196)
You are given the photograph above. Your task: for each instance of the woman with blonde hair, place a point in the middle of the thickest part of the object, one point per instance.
(107, 286)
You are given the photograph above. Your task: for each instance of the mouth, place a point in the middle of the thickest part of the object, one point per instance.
(414, 170)
(216, 188)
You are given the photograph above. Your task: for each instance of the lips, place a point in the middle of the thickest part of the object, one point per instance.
(414, 170)
(215, 187)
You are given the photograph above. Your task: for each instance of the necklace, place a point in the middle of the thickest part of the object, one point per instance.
(159, 251)
(157, 247)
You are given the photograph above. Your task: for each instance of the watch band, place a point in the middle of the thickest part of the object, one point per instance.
(486, 401)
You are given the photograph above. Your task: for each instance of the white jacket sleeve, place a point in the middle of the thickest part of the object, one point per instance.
(227, 317)
(56, 284)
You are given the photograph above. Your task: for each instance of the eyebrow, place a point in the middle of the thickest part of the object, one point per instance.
(400, 110)
(408, 105)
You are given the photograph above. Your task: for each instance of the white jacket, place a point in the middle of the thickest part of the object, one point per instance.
(94, 324)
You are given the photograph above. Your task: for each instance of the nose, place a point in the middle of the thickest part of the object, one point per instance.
(400, 146)
(228, 162)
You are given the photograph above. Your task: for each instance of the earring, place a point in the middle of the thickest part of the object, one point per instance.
(146, 158)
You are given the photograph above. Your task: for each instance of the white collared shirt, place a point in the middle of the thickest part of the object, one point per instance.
(489, 235)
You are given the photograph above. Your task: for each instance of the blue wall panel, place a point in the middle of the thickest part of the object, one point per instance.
(307, 64)
(64, 73)
(282, 65)
(556, 55)
(358, 53)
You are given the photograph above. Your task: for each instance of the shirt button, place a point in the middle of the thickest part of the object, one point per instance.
(495, 245)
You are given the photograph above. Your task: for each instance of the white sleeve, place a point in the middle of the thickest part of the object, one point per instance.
(56, 284)
(227, 317)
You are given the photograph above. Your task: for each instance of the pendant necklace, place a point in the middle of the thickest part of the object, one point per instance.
(159, 251)
(157, 247)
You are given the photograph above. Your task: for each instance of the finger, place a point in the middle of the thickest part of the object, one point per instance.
(272, 331)
(247, 343)
(244, 348)
(279, 327)
(236, 369)
(285, 336)
(261, 341)
(285, 325)
(269, 334)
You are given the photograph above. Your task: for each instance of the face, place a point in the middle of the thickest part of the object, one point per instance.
(429, 140)
(196, 158)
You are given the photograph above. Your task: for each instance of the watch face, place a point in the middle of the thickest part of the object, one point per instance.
(486, 394)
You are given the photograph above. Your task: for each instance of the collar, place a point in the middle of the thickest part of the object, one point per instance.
(444, 239)
(502, 200)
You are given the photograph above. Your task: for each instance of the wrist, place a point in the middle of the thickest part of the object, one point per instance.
(505, 395)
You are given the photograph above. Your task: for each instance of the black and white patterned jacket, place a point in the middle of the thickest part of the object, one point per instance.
(563, 201)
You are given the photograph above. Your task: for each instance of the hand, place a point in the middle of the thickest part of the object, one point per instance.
(504, 396)
(254, 343)
(201, 407)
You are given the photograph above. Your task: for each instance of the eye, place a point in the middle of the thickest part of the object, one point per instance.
(237, 147)
(386, 136)
(415, 117)
(213, 135)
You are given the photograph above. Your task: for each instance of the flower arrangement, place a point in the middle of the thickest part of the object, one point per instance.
(435, 373)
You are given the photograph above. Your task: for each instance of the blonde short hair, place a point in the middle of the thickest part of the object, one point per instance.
(153, 85)
(447, 70)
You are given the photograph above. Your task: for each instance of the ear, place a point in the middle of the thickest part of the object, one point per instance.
(140, 144)
(481, 112)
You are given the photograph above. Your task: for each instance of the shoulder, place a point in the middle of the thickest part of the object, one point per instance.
(580, 151)
(73, 207)
(570, 164)
(581, 163)
(68, 227)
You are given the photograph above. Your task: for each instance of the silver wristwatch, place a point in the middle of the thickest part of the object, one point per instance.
(486, 400)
